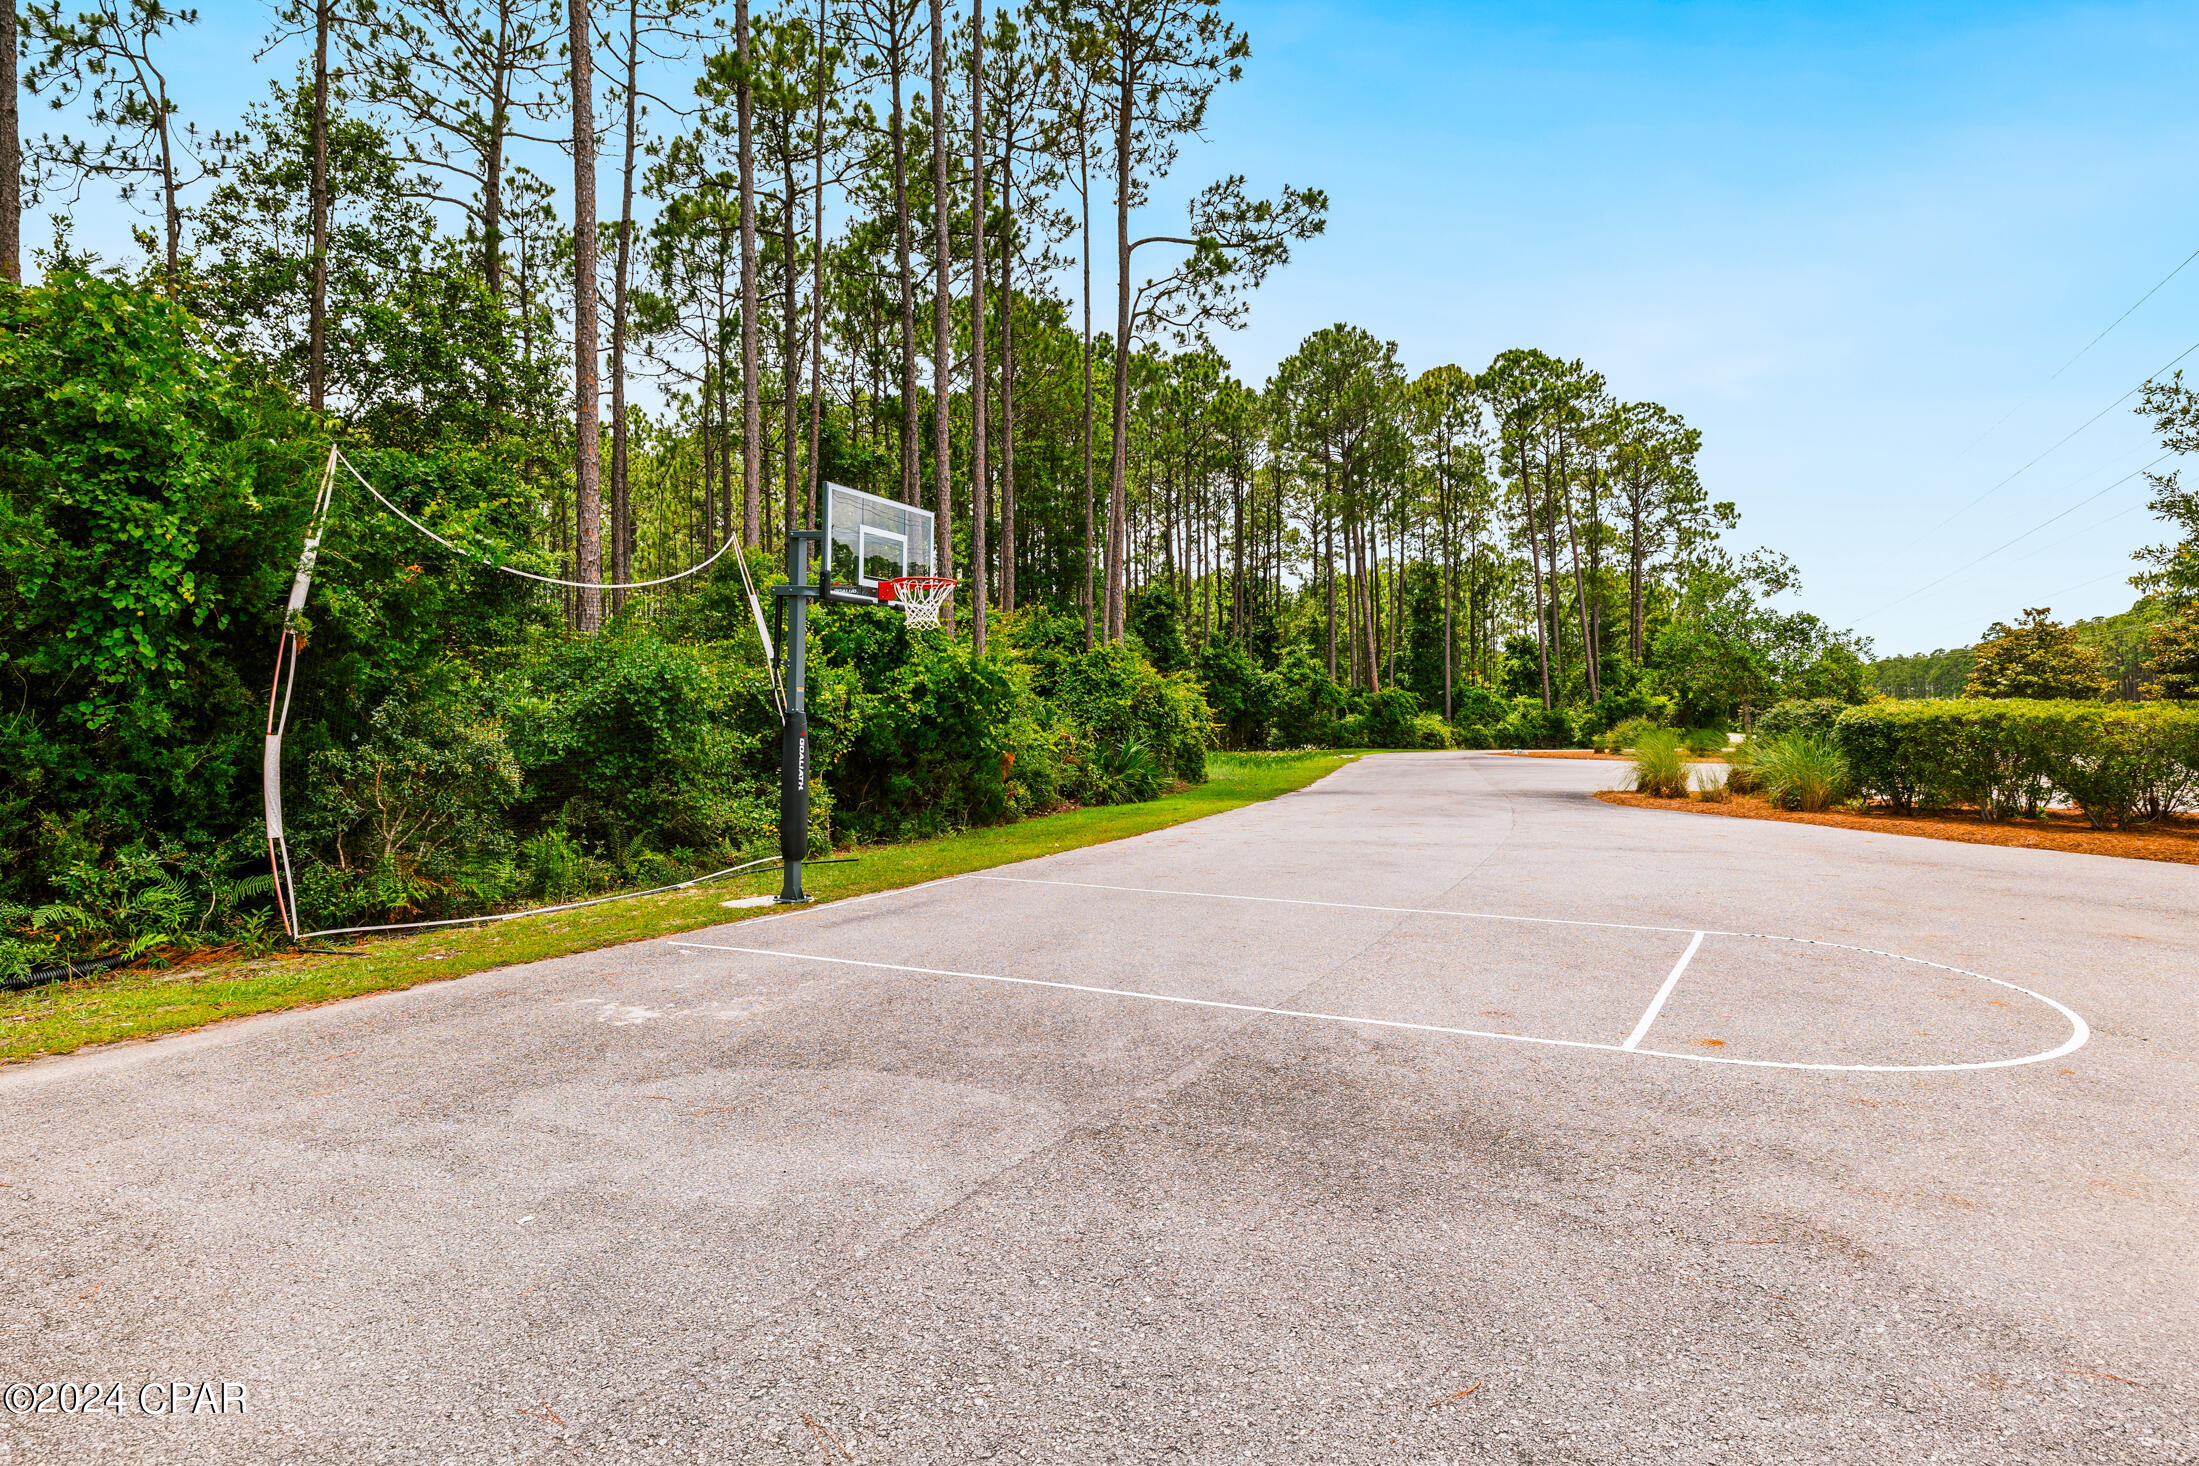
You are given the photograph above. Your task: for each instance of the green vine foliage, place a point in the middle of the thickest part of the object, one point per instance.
(139, 472)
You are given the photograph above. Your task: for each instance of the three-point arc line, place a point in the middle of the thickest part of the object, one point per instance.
(2079, 1031)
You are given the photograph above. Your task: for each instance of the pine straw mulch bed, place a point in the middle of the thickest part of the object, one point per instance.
(2173, 840)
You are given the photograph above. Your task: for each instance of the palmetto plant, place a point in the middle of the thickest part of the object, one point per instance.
(1128, 771)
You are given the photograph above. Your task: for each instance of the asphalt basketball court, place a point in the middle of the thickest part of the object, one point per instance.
(1435, 1112)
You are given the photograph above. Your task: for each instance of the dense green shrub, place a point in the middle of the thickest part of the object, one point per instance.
(1531, 725)
(1473, 735)
(1630, 704)
(1386, 721)
(1812, 715)
(932, 748)
(1308, 702)
(1117, 696)
(625, 735)
(1430, 731)
(1155, 616)
(1476, 705)
(139, 479)
(1241, 693)
(1623, 735)
(2117, 762)
(1659, 767)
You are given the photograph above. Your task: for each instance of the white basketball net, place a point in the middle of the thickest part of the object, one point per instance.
(921, 597)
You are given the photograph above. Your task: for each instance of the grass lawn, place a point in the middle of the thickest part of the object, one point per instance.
(144, 1003)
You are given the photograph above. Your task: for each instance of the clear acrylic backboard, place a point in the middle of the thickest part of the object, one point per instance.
(868, 539)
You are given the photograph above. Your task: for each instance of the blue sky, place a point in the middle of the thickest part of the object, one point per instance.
(1852, 243)
(1843, 240)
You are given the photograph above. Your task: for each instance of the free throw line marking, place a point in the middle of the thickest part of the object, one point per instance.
(1633, 1040)
(2079, 1033)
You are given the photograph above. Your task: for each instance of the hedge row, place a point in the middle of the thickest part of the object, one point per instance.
(2121, 763)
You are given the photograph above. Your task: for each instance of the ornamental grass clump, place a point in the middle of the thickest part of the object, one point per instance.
(1742, 776)
(1660, 769)
(1801, 772)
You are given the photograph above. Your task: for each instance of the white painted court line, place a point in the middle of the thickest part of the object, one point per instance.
(1657, 1004)
(2078, 1035)
(1621, 926)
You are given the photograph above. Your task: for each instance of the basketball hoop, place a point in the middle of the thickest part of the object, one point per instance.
(920, 597)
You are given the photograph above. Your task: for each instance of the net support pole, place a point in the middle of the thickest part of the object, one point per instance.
(794, 736)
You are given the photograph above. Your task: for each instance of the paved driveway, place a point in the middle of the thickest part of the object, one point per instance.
(1433, 1113)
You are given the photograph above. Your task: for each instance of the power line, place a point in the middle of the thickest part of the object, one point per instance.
(2034, 529)
(2082, 584)
(2065, 366)
(2076, 534)
(2088, 422)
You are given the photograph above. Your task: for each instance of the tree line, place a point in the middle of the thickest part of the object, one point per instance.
(855, 240)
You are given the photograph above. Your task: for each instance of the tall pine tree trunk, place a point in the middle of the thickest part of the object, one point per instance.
(11, 150)
(942, 319)
(896, 56)
(317, 311)
(1008, 382)
(752, 407)
(980, 485)
(622, 503)
(1084, 196)
(1119, 474)
(587, 446)
(823, 82)
(1534, 569)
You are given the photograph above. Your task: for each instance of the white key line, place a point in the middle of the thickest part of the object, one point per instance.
(1633, 1040)
(2075, 1040)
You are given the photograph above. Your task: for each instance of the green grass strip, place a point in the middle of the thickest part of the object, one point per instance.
(144, 1004)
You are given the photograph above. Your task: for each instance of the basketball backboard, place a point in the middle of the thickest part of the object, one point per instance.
(869, 539)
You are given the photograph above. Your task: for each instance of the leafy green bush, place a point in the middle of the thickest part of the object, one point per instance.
(1115, 695)
(1801, 771)
(1531, 725)
(1387, 719)
(624, 735)
(1430, 731)
(2121, 763)
(1476, 705)
(931, 749)
(1155, 616)
(1241, 693)
(1623, 735)
(1659, 768)
(140, 479)
(2118, 762)
(1473, 735)
(1634, 704)
(1700, 741)
(1308, 702)
(1812, 715)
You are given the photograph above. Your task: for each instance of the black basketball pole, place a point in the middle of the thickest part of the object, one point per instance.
(794, 738)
